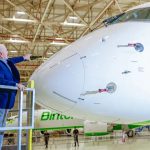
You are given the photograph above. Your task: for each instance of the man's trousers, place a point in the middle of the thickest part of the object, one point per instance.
(3, 115)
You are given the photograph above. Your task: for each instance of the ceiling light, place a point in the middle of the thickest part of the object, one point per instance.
(73, 24)
(19, 20)
(59, 38)
(58, 43)
(21, 12)
(16, 41)
(50, 53)
(73, 17)
(13, 51)
(44, 58)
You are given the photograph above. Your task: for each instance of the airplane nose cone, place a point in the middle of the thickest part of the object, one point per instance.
(60, 81)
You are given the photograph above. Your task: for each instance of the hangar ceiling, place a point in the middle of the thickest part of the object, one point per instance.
(43, 27)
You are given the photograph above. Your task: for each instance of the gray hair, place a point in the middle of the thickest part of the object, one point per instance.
(2, 47)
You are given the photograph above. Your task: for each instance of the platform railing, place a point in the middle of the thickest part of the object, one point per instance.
(20, 126)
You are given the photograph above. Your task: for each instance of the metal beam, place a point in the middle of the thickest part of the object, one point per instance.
(18, 8)
(98, 16)
(46, 25)
(116, 1)
(12, 32)
(41, 21)
(85, 7)
(68, 5)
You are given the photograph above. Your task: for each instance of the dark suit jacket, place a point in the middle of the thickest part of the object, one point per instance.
(10, 78)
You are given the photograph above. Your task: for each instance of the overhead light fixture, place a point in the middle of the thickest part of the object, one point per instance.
(13, 51)
(58, 43)
(44, 58)
(21, 12)
(73, 24)
(73, 17)
(50, 53)
(59, 38)
(16, 41)
(19, 20)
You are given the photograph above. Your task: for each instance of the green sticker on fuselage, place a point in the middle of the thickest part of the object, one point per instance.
(54, 116)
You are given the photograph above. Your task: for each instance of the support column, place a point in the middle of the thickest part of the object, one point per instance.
(29, 132)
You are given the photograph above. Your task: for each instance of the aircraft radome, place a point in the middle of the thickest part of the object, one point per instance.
(103, 76)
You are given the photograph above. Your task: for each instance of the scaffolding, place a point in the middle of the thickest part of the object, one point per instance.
(30, 97)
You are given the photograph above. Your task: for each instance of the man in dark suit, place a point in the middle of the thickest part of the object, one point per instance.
(76, 134)
(9, 76)
(46, 138)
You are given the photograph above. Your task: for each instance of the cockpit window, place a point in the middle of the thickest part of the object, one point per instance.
(142, 14)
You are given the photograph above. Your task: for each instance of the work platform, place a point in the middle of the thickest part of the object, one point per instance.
(26, 102)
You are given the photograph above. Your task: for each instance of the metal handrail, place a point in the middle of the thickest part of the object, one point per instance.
(20, 127)
(15, 88)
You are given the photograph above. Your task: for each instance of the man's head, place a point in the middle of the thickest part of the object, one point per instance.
(3, 52)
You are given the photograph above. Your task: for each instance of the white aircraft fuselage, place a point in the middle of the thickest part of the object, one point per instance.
(103, 76)
(45, 119)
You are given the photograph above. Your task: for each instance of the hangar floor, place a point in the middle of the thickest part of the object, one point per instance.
(137, 143)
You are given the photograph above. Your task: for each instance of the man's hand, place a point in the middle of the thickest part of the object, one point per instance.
(20, 86)
(27, 56)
